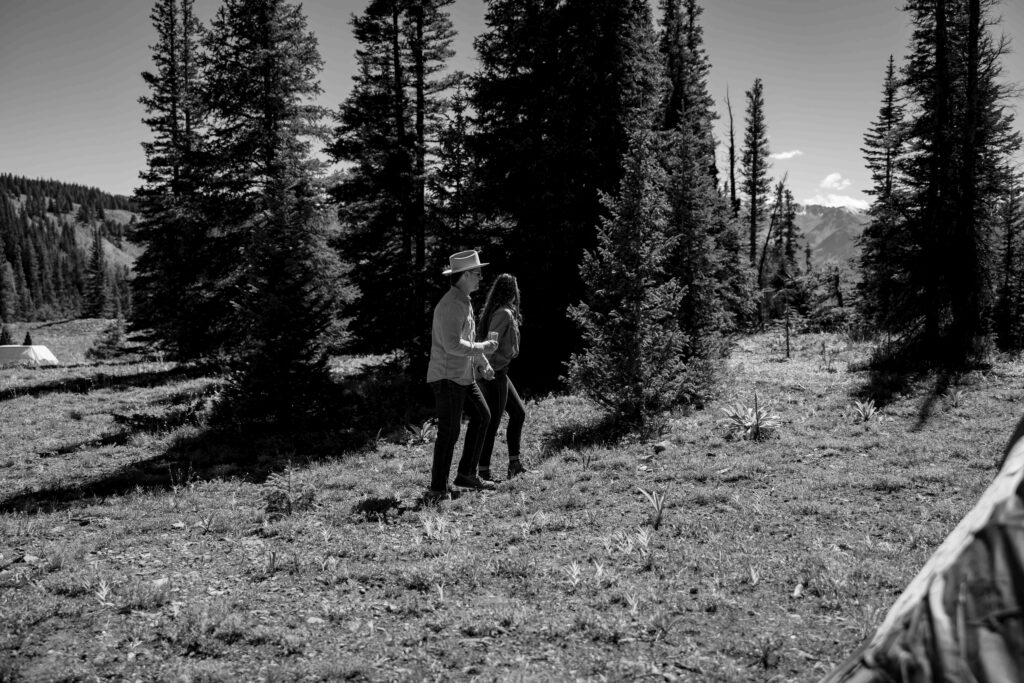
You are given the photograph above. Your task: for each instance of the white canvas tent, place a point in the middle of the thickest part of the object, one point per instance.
(960, 619)
(26, 355)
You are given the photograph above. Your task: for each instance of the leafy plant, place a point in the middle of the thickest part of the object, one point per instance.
(865, 410)
(753, 423)
(657, 501)
(422, 434)
(955, 398)
(573, 574)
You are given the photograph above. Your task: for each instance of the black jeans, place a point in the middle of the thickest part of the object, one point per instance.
(502, 397)
(450, 399)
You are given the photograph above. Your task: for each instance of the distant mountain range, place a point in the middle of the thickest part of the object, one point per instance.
(831, 231)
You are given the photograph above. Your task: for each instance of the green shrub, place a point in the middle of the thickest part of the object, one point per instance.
(110, 342)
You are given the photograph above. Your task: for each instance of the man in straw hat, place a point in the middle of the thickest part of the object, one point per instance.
(453, 355)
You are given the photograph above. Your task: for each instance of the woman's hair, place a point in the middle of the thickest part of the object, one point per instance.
(504, 293)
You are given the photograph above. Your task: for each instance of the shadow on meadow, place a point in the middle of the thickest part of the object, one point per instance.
(598, 430)
(103, 380)
(351, 420)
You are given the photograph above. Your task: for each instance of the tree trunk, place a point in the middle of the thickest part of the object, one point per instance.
(419, 208)
(935, 230)
(734, 203)
(966, 293)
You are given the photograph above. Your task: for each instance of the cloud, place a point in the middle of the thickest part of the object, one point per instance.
(787, 155)
(837, 200)
(829, 190)
(834, 181)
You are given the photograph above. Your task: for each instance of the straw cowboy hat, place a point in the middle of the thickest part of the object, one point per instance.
(463, 261)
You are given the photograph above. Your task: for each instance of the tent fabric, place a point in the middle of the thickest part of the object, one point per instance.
(961, 617)
(26, 355)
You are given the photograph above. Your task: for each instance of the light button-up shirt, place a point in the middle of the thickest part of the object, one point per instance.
(453, 351)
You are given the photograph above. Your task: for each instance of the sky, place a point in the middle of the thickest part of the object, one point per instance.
(70, 81)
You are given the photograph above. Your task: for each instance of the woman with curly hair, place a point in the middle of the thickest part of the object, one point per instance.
(501, 319)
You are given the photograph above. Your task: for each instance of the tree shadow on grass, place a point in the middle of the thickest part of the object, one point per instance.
(598, 431)
(353, 419)
(102, 380)
(186, 412)
(207, 455)
(897, 371)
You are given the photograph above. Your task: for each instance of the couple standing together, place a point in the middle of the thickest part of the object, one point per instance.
(461, 352)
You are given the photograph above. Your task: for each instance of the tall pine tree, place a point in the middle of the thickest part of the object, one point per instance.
(1009, 311)
(558, 87)
(632, 359)
(388, 129)
(704, 261)
(262, 195)
(170, 284)
(959, 141)
(754, 164)
(885, 239)
(97, 297)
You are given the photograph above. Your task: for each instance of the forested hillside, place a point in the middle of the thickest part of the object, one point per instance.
(64, 250)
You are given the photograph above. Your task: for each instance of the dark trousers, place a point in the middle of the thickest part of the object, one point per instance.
(502, 397)
(451, 399)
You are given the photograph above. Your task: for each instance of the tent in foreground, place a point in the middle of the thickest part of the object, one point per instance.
(961, 618)
(26, 355)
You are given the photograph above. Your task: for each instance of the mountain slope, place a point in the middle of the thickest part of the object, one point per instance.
(831, 231)
(47, 230)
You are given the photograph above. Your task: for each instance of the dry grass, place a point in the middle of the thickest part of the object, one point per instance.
(131, 548)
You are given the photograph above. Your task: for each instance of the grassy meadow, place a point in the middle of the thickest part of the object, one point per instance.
(134, 548)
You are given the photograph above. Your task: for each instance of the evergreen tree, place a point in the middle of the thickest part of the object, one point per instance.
(28, 339)
(26, 303)
(703, 261)
(5, 335)
(689, 108)
(454, 185)
(789, 237)
(110, 342)
(781, 243)
(631, 363)
(559, 85)
(8, 292)
(169, 270)
(754, 163)
(98, 293)
(1009, 311)
(734, 202)
(388, 129)
(83, 215)
(430, 32)
(960, 138)
(885, 238)
(261, 192)
(288, 316)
